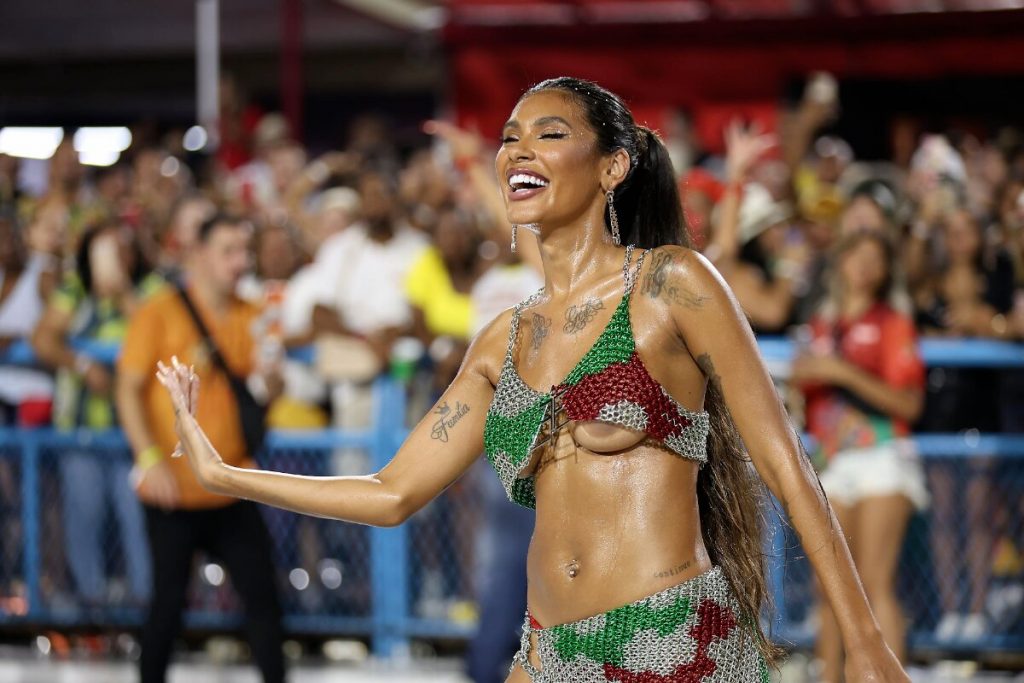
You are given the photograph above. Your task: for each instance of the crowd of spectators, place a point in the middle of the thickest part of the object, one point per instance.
(388, 257)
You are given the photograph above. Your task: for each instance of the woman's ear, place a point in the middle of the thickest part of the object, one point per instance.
(616, 169)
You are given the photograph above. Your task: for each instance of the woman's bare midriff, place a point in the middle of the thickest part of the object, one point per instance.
(611, 528)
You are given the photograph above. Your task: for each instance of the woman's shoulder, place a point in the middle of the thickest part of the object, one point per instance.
(486, 352)
(682, 278)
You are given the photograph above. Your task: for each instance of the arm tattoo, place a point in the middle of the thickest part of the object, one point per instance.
(657, 284)
(447, 419)
(577, 317)
(674, 570)
(540, 326)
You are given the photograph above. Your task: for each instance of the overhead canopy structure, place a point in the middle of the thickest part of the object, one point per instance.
(66, 61)
(714, 56)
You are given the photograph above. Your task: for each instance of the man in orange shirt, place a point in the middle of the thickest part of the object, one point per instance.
(181, 516)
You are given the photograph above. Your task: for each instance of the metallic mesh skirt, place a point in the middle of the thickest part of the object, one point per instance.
(689, 633)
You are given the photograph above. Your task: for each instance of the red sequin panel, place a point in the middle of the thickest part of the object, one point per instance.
(714, 622)
(627, 381)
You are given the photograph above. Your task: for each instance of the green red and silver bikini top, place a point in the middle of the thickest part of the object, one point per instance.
(609, 384)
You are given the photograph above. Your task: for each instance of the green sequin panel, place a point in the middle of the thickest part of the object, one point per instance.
(510, 439)
(621, 626)
(615, 345)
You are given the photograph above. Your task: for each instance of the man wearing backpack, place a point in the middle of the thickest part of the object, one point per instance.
(202, 322)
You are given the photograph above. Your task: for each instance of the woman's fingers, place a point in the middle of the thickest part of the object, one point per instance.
(193, 391)
(169, 378)
(183, 374)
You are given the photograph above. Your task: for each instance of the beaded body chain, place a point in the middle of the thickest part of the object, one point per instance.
(609, 384)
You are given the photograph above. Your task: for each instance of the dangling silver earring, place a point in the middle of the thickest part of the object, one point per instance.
(515, 228)
(613, 218)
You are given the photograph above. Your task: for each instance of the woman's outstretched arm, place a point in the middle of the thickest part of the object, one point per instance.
(713, 327)
(440, 448)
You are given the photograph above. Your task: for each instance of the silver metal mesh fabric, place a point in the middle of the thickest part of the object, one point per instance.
(625, 413)
(692, 443)
(684, 654)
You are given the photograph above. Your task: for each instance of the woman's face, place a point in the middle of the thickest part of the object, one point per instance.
(773, 239)
(863, 268)
(46, 233)
(963, 239)
(110, 260)
(548, 166)
(862, 214)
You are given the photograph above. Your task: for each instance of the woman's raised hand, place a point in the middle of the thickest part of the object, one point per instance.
(464, 144)
(182, 385)
(744, 146)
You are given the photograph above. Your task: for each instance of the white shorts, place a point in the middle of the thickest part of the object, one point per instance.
(881, 470)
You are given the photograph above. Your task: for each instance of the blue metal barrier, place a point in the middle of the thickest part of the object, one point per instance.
(390, 623)
(390, 619)
(946, 352)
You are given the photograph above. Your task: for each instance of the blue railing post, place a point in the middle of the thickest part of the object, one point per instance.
(29, 440)
(389, 547)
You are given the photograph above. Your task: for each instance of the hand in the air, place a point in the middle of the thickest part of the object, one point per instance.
(464, 144)
(182, 385)
(744, 147)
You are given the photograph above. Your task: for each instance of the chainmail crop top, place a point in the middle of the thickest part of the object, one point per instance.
(609, 384)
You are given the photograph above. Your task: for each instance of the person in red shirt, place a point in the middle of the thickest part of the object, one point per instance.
(864, 385)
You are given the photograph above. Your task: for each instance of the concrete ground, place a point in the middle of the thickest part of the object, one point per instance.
(20, 665)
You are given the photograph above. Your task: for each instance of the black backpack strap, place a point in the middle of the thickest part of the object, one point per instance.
(204, 332)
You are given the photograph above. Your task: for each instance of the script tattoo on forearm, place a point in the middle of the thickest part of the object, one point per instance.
(540, 327)
(578, 316)
(448, 417)
(659, 285)
(679, 569)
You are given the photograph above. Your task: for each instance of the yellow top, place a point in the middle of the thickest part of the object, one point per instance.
(429, 288)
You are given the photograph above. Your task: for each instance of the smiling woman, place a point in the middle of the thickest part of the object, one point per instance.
(645, 563)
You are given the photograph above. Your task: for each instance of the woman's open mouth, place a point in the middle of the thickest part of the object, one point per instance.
(524, 184)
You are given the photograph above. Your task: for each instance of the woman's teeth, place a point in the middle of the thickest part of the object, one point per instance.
(522, 181)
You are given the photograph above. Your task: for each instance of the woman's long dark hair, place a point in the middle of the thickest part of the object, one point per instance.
(729, 493)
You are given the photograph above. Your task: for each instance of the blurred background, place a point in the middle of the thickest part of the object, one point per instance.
(899, 118)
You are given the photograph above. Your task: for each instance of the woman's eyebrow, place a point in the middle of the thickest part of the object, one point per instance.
(542, 121)
(545, 120)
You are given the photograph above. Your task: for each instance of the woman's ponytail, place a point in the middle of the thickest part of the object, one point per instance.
(650, 196)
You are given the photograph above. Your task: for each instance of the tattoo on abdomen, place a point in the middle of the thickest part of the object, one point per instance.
(448, 418)
(673, 571)
(577, 317)
(658, 285)
(540, 326)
